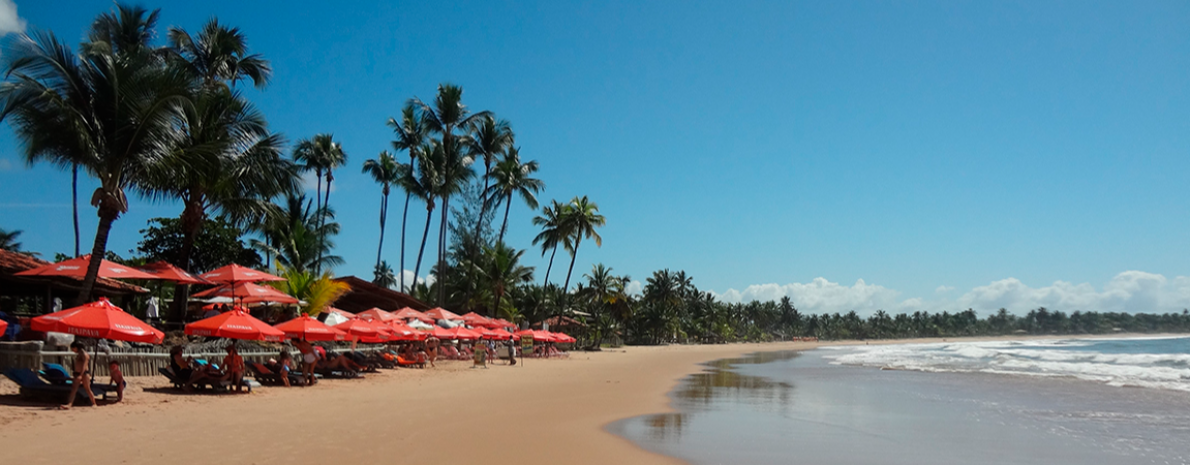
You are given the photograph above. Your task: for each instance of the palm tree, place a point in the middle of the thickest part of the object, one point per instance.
(108, 108)
(447, 115)
(582, 217)
(505, 272)
(383, 276)
(422, 186)
(322, 155)
(489, 138)
(225, 160)
(218, 55)
(319, 291)
(387, 171)
(8, 240)
(450, 170)
(553, 232)
(513, 177)
(296, 234)
(410, 135)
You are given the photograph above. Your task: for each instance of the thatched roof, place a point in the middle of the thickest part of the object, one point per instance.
(12, 263)
(365, 295)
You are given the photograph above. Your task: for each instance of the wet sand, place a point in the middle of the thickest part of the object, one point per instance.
(545, 412)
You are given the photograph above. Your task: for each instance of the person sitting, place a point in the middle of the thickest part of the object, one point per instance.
(339, 363)
(82, 376)
(183, 368)
(233, 366)
(117, 378)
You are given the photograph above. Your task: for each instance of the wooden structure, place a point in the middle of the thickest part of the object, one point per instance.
(365, 295)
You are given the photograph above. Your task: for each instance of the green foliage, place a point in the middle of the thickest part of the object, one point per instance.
(319, 291)
(218, 243)
(8, 240)
(297, 236)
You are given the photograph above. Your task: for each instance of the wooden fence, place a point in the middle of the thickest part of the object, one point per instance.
(134, 361)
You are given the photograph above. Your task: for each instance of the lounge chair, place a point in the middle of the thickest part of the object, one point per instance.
(265, 375)
(405, 362)
(337, 374)
(55, 373)
(33, 386)
(213, 383)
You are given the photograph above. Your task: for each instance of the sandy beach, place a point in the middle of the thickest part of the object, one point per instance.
(544, 412)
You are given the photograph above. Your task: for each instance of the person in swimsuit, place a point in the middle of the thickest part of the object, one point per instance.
(182, 368)
(82, 377)
(284, 360)
(233, 363)
(309, 359)
(432, 349)
(113, 368)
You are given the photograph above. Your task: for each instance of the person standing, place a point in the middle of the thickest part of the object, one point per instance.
(309, 360)
(82, 376)
(432, 349)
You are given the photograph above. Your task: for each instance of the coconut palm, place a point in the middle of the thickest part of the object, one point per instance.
(386, 171)
(321, 154)
(505, 272)
(296, 234)
(450, 170)
(489, 138)
(582, 217)
(109, 108)
(446, 116)
(410, 134)
(513, 178)
(218, 55)
(8, 240)
(421, 185)
(553, 232)
(383, 275)
(319, 291)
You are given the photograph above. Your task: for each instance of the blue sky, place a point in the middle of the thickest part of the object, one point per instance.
(948, 154)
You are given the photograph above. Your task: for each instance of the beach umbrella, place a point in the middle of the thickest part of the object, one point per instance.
(367, 331)
(421, 325)
(77, 268)
(402, 332)
(234, 273)
(411, 314)
(335, 316)
(166, 272)
(101, 320)
(235, 324)
(461, 333)
(3, 327)
(246, 292)
(499, 334)
(310, 329)
(475, 319)
(538, 336)
(442, 314)
(441, 333)
(376, 314)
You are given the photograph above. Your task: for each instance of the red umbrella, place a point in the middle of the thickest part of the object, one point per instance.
(100, 319)
(310, 329)
(164, 271)
(366, 331)
(442, 314)
(77, 267)
(246, 292)
(376, 314)
(441, 333)
(401, 332)
(237, 274)
(475, 319)
(3, 327)
(499, 334)
(235, 324)
(409, 313)
(538, 336)
(461, 333)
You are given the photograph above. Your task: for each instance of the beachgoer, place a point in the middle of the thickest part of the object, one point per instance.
(309, 359)
(284, 361)
(432, 349)
(233, 363)
(117, 378)
(82, 376)
(183, 368)
(512, 352)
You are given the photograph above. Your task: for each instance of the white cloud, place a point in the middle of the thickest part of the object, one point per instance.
(409, 279)
(1130, 291)
(634, 288)
(10, 22)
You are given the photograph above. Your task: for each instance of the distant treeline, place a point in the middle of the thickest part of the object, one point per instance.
(671, 309)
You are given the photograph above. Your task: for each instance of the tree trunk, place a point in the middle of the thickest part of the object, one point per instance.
(383, 217)
(483, 209)
(192, 218)
(326, 205)
(404, 217)
(566, 288)
(548, 268)
(442, 251)
(425, 234)
(507, 207)
(106, 217)
(74, 198)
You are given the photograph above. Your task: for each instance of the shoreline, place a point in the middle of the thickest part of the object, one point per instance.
(541, 412)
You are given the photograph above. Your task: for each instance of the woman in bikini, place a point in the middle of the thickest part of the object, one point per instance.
(82, 376)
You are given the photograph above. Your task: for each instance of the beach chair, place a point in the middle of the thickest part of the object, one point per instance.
(266, 375)
(55, 373)
(32, 386)
(204, 382)
(410, 363)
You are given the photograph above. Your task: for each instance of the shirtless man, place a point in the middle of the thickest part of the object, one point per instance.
(432, 349)
(82, 377)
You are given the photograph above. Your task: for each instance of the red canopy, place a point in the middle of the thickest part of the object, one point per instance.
(440, 332)
(498, 334)
(100, 319)
(460, 333)
(538, 336)
(409, 313)
(401, 332)
(164, 271)
(77, 267)
(235, 324)
(3, 327)
(475, 319)
(377, 315)
(562, 337)
(246, 292)
(237, 274)
(365, 330)
(442, 314)
(310, 329)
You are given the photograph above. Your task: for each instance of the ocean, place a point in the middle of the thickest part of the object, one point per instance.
(1061, 401)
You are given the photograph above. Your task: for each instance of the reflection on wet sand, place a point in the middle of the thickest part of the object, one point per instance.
(721, 382)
